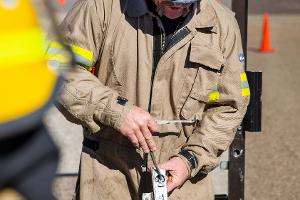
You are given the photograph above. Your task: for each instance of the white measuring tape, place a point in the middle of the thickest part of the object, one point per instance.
(159, 183)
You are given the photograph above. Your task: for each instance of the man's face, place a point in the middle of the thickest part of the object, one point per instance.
(171, 10)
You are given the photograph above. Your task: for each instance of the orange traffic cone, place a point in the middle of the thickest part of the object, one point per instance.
(266, 41)
(62, 2)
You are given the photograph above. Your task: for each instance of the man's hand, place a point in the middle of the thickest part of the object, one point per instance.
(178, 172)
(138, 127)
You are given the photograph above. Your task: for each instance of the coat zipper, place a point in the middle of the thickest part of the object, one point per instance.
(162, 37)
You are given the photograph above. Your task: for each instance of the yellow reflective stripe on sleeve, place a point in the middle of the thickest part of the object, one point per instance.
(214, 95)
(82, 56)
(21, 47)
(244, 77)
(83, 53)
(244, 85)
(245, 92)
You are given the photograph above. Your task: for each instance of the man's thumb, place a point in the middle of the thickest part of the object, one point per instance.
(171, 185)
(166, 165)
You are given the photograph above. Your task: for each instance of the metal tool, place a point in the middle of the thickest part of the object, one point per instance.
(155, 165)
(159, 180)
(162, 122)
(147, 196)
(159, 183)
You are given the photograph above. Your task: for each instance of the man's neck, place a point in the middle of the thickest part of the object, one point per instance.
(170, 25)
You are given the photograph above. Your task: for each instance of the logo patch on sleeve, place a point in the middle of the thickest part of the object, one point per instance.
(242, 58)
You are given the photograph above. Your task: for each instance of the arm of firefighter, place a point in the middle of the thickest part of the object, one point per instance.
(83, 98)
(224, 111)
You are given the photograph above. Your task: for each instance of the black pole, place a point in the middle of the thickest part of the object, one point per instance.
(240, 7)
(236, 175)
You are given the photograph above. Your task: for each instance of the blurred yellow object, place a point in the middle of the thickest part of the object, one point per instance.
(26, 82)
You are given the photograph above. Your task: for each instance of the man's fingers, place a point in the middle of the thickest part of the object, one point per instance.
(142, 141)
(152, 125)
(141, 124)
(149, 140)
(170, 182)
(133, 139)
(171, 185)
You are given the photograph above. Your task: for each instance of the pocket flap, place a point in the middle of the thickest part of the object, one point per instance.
(194, 106)
(206, 56)
(200, 96)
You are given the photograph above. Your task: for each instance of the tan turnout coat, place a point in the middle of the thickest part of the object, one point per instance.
(200, 76)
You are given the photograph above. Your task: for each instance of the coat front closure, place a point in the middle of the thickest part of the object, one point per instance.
(130, 60)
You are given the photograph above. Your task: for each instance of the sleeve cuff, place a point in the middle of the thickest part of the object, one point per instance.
(203, 163)
(114, 113)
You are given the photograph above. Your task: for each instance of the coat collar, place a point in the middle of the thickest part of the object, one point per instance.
(136, 8)
(204, 15)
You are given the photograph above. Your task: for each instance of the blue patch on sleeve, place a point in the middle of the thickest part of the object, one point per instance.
(242, 58)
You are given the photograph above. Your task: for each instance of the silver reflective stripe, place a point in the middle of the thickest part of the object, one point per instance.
(245, 84)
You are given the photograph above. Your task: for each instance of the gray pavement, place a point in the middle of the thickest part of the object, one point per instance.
(272, 158)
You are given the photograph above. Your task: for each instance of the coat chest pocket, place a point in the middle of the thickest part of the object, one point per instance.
(206, 56)
(194, 106)
(210, 63)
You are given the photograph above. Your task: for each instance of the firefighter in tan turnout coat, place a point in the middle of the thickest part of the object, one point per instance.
(141, 61)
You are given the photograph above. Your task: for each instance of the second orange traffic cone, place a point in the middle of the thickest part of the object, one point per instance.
(266, 46)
